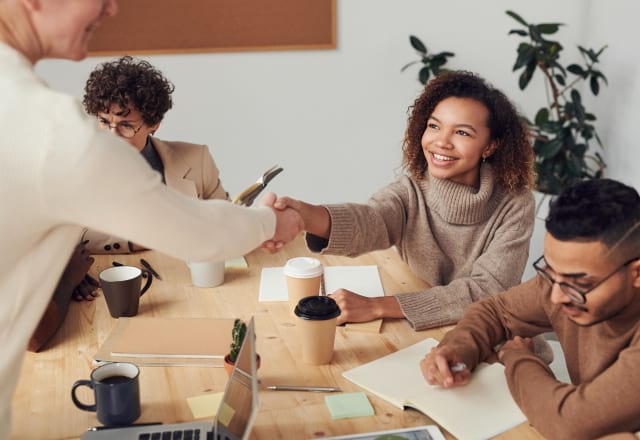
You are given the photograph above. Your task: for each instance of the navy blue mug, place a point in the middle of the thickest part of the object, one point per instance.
(117, 393)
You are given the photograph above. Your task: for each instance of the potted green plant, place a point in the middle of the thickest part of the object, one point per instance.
(238, 333)
(563, 130)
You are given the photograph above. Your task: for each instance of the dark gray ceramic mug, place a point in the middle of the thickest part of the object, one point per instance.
(121, 289)
(117, 393)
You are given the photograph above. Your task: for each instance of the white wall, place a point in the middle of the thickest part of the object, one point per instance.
(334, 119)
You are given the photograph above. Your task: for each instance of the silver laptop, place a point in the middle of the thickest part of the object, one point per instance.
(236, 414)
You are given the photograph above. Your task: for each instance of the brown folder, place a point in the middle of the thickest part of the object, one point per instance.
(168, 341)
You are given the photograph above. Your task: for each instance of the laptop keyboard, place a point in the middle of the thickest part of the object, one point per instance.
(187, 434)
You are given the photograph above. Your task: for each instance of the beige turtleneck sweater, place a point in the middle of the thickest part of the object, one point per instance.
(466, 242)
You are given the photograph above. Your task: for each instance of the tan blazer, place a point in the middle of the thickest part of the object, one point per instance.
(188, 168)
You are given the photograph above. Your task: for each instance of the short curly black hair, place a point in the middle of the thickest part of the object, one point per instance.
(512, 160)
(128, 82)
(602, 210)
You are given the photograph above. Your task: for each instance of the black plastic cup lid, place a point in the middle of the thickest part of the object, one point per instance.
(317, 308)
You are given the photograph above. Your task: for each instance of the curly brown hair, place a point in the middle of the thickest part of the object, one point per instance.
(128, 82)
(512, 160)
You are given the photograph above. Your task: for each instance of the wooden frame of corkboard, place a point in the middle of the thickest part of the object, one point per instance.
(188, 26)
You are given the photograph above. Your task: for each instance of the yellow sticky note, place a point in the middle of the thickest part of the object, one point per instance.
(205, 405)
(226, 414)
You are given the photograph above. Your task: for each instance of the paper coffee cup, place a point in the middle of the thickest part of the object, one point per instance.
(304, 275)
(317, 316)
(207, 273)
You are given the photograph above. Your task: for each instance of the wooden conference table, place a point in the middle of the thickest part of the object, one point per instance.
(42, 406)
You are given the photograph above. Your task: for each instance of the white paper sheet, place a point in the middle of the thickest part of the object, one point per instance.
(364, 280)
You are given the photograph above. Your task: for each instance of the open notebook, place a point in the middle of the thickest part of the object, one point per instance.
(479, 410)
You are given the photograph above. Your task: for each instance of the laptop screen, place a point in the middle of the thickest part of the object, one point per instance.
(239, 405)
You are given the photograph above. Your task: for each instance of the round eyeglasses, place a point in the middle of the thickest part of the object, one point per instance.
(123, 129)
(576, 294)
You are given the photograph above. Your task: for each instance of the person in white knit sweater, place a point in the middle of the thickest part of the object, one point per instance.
(461, 217)
(59, 173)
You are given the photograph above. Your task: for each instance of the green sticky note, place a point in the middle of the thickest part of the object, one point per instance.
(348, 405)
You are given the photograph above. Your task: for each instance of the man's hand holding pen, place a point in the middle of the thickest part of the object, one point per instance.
(442, 366)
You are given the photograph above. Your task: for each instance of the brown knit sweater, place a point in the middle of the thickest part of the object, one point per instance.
(603, 362)
(467, 243)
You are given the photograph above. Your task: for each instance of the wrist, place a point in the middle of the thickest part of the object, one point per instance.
(388, 307)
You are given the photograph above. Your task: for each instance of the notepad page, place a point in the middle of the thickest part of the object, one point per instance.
(393, 377)
(479, 410)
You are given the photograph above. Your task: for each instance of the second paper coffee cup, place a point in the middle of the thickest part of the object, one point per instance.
(317, 316)
(304, 275)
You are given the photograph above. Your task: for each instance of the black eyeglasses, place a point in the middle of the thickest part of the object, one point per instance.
(124, 129)
(576, 294)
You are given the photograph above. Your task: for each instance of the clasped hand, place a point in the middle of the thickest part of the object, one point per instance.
(289, 224)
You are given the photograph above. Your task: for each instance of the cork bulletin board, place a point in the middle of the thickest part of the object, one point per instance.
(175, 26)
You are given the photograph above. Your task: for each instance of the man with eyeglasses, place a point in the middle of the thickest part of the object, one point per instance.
(588, 292)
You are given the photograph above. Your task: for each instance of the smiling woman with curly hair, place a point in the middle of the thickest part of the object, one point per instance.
(511, 154)
(461, 216)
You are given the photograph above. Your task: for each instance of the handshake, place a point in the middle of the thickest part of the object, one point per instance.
(292, 217)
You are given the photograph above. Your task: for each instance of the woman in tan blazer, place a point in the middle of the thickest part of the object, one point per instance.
(130, 97)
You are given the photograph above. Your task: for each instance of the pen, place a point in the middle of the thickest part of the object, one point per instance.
(146, 264)
(457, 368)
(100, 428)
(297, 388)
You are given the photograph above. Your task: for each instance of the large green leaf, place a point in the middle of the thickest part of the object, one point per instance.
(551, 148)
(548, 28)
(518, 32)
(542, 116)
(576, 70)
(527, 74)
(595, 87)
(575, 96)
(418, 44)
(423, 75)
(599, 74)
(526, 54)
(517, 18)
